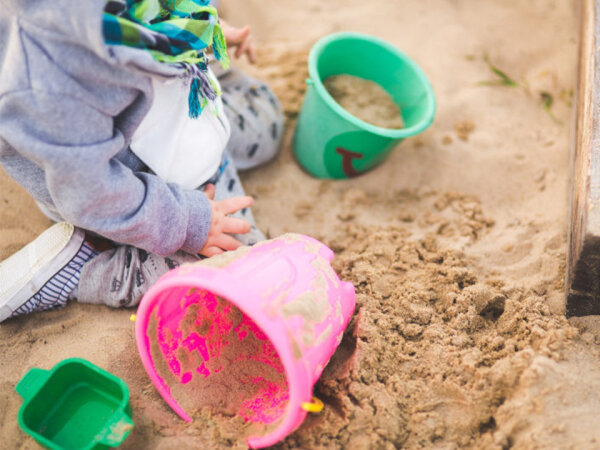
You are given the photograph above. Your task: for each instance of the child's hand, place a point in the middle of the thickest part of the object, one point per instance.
(221, 225)
(240, 39)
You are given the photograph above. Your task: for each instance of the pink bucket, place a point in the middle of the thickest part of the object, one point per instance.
(249, 338)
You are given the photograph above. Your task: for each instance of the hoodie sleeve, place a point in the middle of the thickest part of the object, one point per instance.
(76, 145)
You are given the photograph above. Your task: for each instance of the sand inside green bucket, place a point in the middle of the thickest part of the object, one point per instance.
(364, 99)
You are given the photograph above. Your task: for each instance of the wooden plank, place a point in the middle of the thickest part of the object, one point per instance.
(583, 251)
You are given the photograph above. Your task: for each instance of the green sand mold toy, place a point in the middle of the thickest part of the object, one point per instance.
(75, 405)
(329, 142)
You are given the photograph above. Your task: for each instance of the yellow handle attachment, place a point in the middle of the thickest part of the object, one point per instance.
(132, 317)
(315, 407)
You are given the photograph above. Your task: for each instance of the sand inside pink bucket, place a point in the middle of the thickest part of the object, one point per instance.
(226, 369)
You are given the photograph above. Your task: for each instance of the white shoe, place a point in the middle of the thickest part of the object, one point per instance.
(42, 274)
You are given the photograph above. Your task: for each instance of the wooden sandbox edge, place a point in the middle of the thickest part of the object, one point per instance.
(583, 246)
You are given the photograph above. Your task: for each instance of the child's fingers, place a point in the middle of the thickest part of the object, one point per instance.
(209, 190)
(226, 242)
(234, 204)
(246, 47)
(211, 251)
(251, 53)
(242, 47)
(234, 225)
(237, 35)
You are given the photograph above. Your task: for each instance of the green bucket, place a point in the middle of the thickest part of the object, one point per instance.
(329, 142)
(75, 405)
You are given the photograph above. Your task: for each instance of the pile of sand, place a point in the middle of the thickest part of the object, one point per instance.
(435, 350)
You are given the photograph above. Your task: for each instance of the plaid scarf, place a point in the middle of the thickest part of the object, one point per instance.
(175, 32)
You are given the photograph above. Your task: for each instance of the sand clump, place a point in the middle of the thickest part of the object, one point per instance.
(433, 352)
(364, 99)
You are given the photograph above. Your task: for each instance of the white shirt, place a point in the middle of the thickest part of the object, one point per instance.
(177, 148)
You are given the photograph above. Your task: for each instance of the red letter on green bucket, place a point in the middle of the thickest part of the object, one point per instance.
(347, 158)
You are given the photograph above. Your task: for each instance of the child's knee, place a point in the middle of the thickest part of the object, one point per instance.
(274, 127)
(270, 124)
(257, 123)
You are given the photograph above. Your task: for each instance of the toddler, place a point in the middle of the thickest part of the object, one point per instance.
(117, 119)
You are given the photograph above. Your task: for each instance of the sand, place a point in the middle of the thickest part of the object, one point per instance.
(365, 100)
(456, 245)
(226, 362)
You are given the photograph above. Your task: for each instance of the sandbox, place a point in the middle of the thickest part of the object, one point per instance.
(456, 245)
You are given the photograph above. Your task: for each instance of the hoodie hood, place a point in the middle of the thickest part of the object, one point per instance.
(76, 25)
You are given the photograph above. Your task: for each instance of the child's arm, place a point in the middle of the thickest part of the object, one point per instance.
(77, 147)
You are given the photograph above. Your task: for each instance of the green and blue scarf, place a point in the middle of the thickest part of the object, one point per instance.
(175, 32)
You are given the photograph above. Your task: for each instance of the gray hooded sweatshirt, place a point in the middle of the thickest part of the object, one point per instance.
(69, 105)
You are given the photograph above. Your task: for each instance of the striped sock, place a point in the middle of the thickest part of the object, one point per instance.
(56, 291)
